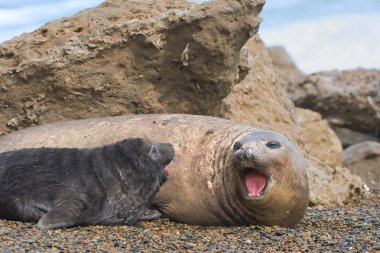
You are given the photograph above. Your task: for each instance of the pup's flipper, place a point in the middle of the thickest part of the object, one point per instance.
(64, 214)
(150, 215)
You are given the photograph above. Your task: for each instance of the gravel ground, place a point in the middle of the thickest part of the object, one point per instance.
(354, 228)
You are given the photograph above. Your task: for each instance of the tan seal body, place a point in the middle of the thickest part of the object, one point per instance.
(223, 173)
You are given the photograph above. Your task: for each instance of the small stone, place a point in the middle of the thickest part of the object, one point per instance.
(307, 233)
(84, 241)
(29, 240)
(190, 245)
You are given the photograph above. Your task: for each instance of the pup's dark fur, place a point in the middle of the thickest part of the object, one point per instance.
(62, 187)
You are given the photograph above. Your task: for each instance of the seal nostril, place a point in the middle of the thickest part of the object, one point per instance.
(273, 144)
(250, 153)
(237, 146)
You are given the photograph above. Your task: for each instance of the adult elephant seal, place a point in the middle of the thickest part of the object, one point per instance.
(223, 173)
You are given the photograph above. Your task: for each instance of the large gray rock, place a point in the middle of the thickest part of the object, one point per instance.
(363, 159)
(348, 99)
(350, 137)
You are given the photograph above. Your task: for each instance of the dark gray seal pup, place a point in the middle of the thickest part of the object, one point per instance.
(63, 187)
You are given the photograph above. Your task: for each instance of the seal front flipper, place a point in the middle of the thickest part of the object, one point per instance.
(150, 215)
(64, 214)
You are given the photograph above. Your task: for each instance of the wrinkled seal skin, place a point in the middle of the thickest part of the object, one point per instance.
(205, 185)
(62, 187)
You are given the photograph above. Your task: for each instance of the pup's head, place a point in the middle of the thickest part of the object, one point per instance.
(146, 160)
(163, 154)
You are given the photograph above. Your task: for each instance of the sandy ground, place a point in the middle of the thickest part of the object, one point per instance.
(354, 228)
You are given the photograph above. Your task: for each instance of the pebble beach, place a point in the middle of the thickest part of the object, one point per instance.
(353, 228)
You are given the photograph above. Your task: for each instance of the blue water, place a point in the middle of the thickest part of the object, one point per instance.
(319, 35)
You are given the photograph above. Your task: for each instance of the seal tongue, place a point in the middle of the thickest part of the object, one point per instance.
(255, 182)
(167, 171)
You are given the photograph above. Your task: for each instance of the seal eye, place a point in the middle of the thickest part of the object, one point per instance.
(236, 146)
(154, 151)
(273, 144)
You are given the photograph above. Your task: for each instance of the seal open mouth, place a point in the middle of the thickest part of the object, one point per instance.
(255, 182)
